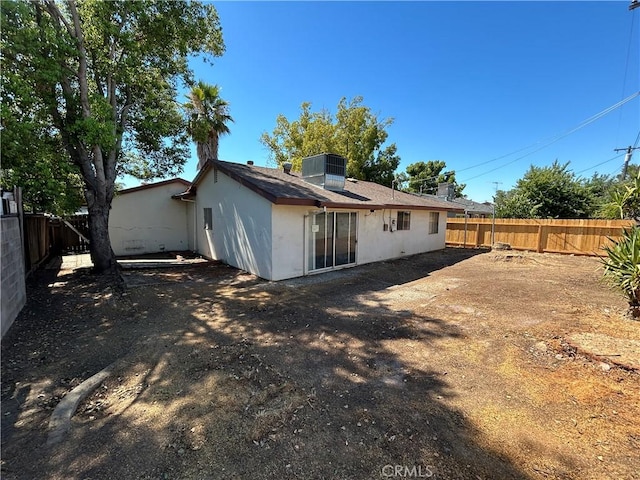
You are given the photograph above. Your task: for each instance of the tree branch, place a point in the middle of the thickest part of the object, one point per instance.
(57, 15)
(96, 77)
(82, 60)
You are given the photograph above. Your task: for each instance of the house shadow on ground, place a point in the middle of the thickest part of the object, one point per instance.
(222, 375)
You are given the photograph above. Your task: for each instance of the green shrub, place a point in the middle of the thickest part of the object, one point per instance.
(622, 267)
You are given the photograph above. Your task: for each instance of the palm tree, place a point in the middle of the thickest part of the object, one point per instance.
(208, 115)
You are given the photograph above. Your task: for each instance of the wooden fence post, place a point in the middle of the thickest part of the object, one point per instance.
(17, 195)
(540, 248)
(466, 223)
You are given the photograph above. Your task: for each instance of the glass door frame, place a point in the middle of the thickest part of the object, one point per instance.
(311, 240)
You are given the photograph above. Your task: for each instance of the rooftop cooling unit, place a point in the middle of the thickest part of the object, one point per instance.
(446, 191)
(326, 171)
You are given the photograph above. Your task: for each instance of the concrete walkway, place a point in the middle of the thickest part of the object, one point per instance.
(83, 260)
(72, 262)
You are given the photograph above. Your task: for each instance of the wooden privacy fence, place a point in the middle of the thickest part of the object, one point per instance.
(581, 237)
(70, 234)
(37, 240)
(44, 235)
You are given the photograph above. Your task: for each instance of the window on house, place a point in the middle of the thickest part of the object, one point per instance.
(434, 221)
(208, 219)
(404, 221)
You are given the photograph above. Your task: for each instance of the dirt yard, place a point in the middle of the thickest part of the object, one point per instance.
(460, 364)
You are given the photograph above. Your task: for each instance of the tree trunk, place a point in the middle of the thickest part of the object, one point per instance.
(213, 145)
(102, 256)
(204, 153)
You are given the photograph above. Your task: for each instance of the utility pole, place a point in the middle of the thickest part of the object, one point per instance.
(627, 158)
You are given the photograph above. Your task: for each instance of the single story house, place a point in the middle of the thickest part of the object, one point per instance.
(280, 224)
(473, 209)
(447, 192)
(146, 219)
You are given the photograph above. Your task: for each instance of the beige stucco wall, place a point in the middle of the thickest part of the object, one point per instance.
(191, 206)
(241, 233)
(374, 244)
(149, 221)
(289, 235)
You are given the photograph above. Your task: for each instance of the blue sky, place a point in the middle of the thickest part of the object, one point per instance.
(466, 82)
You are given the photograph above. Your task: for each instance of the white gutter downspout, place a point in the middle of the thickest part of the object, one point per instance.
(195, 224)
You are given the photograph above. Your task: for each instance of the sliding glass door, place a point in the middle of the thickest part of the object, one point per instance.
(331, 240)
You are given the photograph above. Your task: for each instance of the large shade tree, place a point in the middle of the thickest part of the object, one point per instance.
(100, 79)
(208, 118)
(424, 177)
(354, 132)
(30, 152)
(48, 186)
(547, 192)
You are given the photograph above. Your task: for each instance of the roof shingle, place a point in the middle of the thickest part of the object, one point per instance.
(290, 189)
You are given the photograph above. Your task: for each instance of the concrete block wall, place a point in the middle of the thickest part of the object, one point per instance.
(13, 293)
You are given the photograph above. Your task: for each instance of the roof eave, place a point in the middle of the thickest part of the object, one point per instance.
(437, 208)
(356, 206)
(189, 194)
(149, 186)
(300, 202)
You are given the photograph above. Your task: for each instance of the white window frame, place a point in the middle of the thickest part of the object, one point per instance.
(434, 223)
(403, 220)
(208, 218)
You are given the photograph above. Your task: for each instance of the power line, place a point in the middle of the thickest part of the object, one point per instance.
(498, 158)
(598, 164)
(550, 142)
(559, 136)
(614, 172)
(555, 139)
(626, 65)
